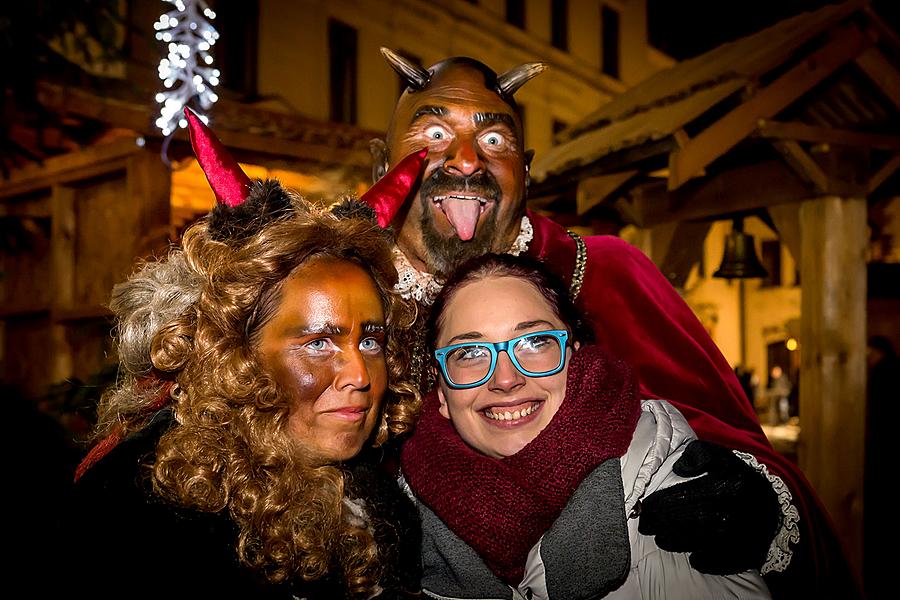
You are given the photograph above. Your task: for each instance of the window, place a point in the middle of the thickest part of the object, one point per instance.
(515, 13)
(771, 260)
(609, 62)
(235, 52)
(559, 24)
(342, 53)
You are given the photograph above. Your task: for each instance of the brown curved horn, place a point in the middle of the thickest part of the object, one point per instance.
(512, 80)
(412, 74)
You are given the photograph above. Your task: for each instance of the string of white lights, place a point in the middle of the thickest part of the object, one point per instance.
(187, 72)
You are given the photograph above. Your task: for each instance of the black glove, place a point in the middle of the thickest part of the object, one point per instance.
(725, 519)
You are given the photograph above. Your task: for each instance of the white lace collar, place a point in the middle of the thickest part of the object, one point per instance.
(424, 287)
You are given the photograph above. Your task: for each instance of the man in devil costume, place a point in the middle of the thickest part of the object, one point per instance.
(471, 200)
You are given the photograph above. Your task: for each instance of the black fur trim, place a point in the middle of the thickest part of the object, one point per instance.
(354, 208)
(267, 202)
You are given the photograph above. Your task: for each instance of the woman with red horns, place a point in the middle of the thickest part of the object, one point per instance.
(261, 375)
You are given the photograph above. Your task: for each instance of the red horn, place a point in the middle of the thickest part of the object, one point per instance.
(228, 182)
(389, 193)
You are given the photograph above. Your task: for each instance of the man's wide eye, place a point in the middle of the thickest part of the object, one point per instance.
(493, 139)
(435, 133)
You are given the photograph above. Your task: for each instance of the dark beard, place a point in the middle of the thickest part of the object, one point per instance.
(444, 254)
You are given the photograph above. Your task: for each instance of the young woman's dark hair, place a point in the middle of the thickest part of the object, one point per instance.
(526, 268)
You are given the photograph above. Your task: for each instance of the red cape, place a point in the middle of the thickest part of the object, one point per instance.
(636, 314)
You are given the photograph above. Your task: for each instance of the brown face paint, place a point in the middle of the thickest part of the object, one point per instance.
(472, 194)
(325, 348)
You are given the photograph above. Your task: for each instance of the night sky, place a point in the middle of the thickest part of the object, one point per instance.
(686, 28)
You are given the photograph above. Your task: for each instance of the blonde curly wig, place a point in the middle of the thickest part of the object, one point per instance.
(187, 326)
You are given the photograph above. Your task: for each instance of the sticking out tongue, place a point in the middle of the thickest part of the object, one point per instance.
(463, 215)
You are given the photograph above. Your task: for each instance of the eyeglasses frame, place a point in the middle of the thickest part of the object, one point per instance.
(561, 335)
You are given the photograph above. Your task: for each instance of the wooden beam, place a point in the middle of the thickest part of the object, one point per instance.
(594, 190)
(886, 170)
(629, 158)
(885, 32)
(844, 45)
(684, 251)
(882, 73)
(149, 188)
(293, 136)
(801, 132)
(68, 167)
(803, 164)
(737, 190)
(682, 140)
(787, 221)
(833, 360)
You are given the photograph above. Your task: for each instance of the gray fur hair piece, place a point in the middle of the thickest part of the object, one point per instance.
(509, 82)
(157, 294)
(415, 77)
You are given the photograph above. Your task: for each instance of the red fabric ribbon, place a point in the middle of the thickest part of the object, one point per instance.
(105, 446)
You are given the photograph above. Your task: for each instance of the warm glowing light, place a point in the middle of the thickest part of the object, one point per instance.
(186, 72)
(791, 344)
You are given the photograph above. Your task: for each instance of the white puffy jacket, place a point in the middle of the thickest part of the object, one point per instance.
(585, 553)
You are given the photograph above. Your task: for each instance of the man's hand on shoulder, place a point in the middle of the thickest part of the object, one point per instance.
(726, 519)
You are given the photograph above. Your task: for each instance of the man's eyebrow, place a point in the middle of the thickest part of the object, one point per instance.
(491, 118)
(428, 109)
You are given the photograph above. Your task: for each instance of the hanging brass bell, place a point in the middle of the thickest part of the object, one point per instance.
(740, 260)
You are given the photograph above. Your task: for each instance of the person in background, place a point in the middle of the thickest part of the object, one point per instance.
(779, 389)
(749, 382)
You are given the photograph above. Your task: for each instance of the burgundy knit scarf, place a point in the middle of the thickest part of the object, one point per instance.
(502, 507)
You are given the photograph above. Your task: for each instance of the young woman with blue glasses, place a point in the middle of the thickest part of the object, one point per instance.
(529, 467)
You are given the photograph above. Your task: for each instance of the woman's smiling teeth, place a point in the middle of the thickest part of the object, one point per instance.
(498, 414)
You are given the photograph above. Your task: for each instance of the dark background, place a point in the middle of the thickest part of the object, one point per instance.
(686, 28)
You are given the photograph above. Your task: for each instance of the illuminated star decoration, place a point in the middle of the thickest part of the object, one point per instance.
(187, 71)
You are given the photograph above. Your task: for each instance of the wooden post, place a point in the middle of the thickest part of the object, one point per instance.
(62, 283)
(149, 188)
(833, 373)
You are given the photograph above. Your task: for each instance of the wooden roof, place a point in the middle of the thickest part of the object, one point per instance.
(253, 134)
(826, 74)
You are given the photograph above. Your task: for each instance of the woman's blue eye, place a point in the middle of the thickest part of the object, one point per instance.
(370, 344)
(316, 344)
(535, 342)
(471, 353)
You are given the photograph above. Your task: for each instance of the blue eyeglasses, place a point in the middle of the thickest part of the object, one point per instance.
(470, 364)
